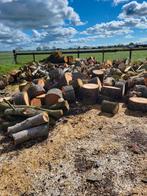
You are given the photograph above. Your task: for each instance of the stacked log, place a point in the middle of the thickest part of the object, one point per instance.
(90, 93)
(53, 96)
(69, 93)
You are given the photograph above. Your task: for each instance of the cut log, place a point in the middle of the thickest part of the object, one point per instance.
(112, 92)
(24, 86)
(2, 85)
(36, 102)
(41, 98)
(35, 90)
(96, 80)
(60, 105)
(145, 79)
(21, 98)
(122, 86)
(137, 104)
(109, 81)
(99, 74)
(29, 123)
(16, 112)
(135, 81)
(29, 134)
(90, 93)
(69, 93)
(142, 89)
(53, 96)
(110, 107)
(39, 82)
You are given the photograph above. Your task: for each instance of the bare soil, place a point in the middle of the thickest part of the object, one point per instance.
(86, 153)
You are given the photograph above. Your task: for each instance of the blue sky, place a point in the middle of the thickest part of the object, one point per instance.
(71, 23)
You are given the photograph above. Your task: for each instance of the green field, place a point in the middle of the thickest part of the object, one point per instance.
(7, 62)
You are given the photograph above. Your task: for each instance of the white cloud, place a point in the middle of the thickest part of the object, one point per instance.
(134, 9)
(37, 13)
(116, 2)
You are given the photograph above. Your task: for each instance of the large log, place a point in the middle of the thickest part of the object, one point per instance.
(137, 104)
(90, 93)
(53, 96)
(99, 74)
(21, 98)
(69, 93)
(96, 80)
(142, 89)
(110, 107)
(60, 105)
(112, 92)
(35, 90)
(135, 81)
(30, 122)
(29, 134)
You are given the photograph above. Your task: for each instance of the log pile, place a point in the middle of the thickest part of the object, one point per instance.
(48, 89)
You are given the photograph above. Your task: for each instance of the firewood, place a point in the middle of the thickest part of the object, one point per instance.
(122, 85)
(16, 112)
(36, 102)
(60, 105)
(90, 93)
(69, 93)
(29, 123)
(4, 125)
(21, 98)
(109, 81)
(110, 107)
(137, 104)
(99, 74)
(96, 80)
(2, 85)
(39, 82)
(135, 81)
(112, 92)
(142, 89)
(35, 90)
(29, 134)
(53, 96)
(145, 78)
(24, 86)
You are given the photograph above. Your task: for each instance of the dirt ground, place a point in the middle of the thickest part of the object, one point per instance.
(86, 154)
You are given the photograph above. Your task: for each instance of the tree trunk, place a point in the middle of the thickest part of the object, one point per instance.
(30, 122)
(29, 134)
(112, 92)
(90, 93)
(21, 98)
(53, 96)
(110, 107)
(69, 93)
(137, 104)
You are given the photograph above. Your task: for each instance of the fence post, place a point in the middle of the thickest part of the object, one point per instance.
(130, 55)
(103, 56)
(15, 56)
(78, 53)
(34, 57)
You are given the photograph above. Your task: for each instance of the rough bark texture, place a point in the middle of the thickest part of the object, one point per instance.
(29, 134)
(122, 86)
(90, 93)
(137, 104)
(110, 107)
(142, 89)
(99, 74)
(112, 92)
(30, 122)
(69, 93)
(35, 90)
(21, 98)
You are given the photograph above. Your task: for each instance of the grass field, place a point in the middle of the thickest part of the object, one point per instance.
(7, 62)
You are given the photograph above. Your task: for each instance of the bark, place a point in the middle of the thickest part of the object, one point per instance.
(21, 98)
(137, 104)
(69, 93)
(30, 122)
(110, 107)
(112, 92)
(99, 74)
(53, 96)
(29, 134)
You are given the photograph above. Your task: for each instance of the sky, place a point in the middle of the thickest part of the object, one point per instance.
(71, 23)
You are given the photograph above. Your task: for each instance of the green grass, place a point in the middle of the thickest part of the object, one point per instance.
(7, 62)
